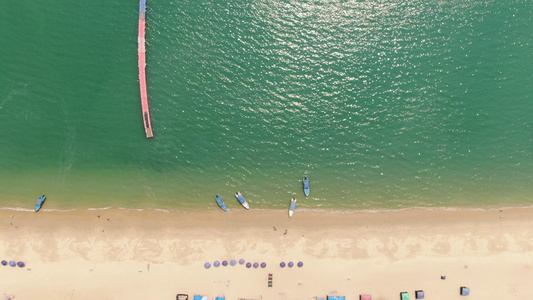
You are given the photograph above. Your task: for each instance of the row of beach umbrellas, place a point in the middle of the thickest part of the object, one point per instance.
(13, 263)
(233, 262)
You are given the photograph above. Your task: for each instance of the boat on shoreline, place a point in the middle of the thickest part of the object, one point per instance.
(292, 207)
(242, 200)
(221, 203)
(40, 202)
(306, 186)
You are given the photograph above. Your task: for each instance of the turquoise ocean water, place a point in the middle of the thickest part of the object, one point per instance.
(383, 104)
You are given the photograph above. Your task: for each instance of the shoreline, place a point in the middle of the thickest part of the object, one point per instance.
(84, 254)
(300, 209)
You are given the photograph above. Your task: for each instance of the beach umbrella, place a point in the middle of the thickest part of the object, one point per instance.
(12, 263)
(290, 264)
(225, 263)
(233, 262)
(216, 264)
(256, 265)
(248, 265)
(263, 265)
(282, 264)
(300, 264)
(241, 261)
(20, 264)
(207, 265)
(4, 263)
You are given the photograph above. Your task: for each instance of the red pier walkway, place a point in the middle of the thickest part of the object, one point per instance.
(142, 72)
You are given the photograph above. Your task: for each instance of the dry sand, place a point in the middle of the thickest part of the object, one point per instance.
(155, 255)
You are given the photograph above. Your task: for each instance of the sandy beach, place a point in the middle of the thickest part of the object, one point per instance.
(150, 254)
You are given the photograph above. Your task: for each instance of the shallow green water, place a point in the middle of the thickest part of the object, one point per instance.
(383, 104)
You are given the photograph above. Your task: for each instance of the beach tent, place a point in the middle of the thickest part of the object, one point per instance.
(419, 294)
(182, 297)
(465, 291)
(404, 296)
(196, 297)
(336, 298)
(365, 297)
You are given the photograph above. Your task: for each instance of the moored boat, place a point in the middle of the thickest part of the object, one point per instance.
(242, 200)
(221, 203)
(292, 207)
(40, 202)
(306, 186)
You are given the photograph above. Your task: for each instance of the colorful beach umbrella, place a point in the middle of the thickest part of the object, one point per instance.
(291, 264)
(300, 264)
(12, 263)
(217, 263)
(256, 265)
(20, 264)
(225, 263)
(248, 265)
(233, 262)
(241, 261)
(207, 265)
(282, 264)
(4, 263)
(263, 265)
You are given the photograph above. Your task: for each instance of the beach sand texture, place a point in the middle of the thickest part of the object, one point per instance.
(129, 254)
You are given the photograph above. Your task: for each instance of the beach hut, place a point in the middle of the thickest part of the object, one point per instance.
(465, 291)
(182, 297)
(419, 294)
(365, 297)
(336, 298)
(404, 296)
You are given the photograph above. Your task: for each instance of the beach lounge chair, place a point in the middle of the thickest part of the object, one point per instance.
(465, 291)
(197, 297)
(336, 298)
(269, 279)
(419, 294)
(404, 296)
(220, 298)
(182, 297)
(365, 297)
